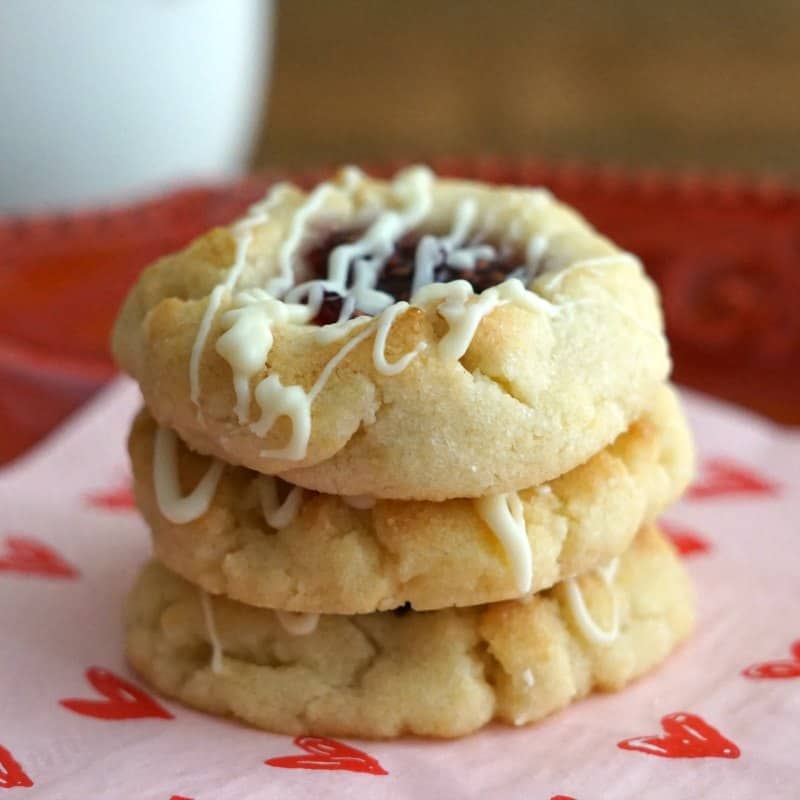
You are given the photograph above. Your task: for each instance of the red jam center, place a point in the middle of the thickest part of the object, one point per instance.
(397, 274)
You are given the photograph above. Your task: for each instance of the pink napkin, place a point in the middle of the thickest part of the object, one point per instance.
(721, 719)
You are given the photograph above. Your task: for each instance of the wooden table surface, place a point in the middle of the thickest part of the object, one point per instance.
(709, 85)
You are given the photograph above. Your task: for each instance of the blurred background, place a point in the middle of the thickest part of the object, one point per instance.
(711, 85)
(104, 102)
(130, 127)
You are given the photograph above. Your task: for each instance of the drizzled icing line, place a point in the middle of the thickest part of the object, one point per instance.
(276, 400)
(214, 301)
(278, 515)
(503, 513)
(577, 603)
(463, 310)
(385, 323)
(283, 282)
(216, 663)
(247, 339)
(242, 232)
(451, 249)
(366, 256)
(176, 507)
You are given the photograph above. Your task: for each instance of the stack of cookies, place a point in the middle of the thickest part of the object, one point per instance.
(402, 449)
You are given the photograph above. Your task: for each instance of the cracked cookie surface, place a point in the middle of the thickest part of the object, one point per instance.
(328, 556)
(439, 673)
(456, 395)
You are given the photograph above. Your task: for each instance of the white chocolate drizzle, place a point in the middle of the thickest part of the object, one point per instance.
(283, 282)
(513, 291)
(353, 272)
(296, 623)
(298, 406)
(213, 635)
(248, 326)
(214, 300)
(385, 322)
(534, 253)
(535, 250)
(278, 514)
(243, 235)
(503, 513)
(176, 507)
(452, 249)
(590, 629)
(276, 400)
(248, 339)
(327, 334)
(463, 310)
(328, 369)
(367, 256)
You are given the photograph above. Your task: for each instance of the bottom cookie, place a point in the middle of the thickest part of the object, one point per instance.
(436, 673)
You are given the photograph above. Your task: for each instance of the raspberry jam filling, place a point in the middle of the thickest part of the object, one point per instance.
(396, 276)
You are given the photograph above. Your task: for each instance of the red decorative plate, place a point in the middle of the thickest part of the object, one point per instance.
(724, 251)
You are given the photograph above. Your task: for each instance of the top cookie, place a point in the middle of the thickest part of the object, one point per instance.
(414, 339)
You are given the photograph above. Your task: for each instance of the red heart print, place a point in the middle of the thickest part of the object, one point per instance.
(11, 773)
(561, 797)
(685, 736)
(781, 668)
(30, 557)
(123, 700)
(119, 498)
(328, 754)
(686, 541)
(722, 477)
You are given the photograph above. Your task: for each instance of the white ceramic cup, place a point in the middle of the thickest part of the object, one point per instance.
(108, 100)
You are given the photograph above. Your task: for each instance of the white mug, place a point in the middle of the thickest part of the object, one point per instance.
(108, 100)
